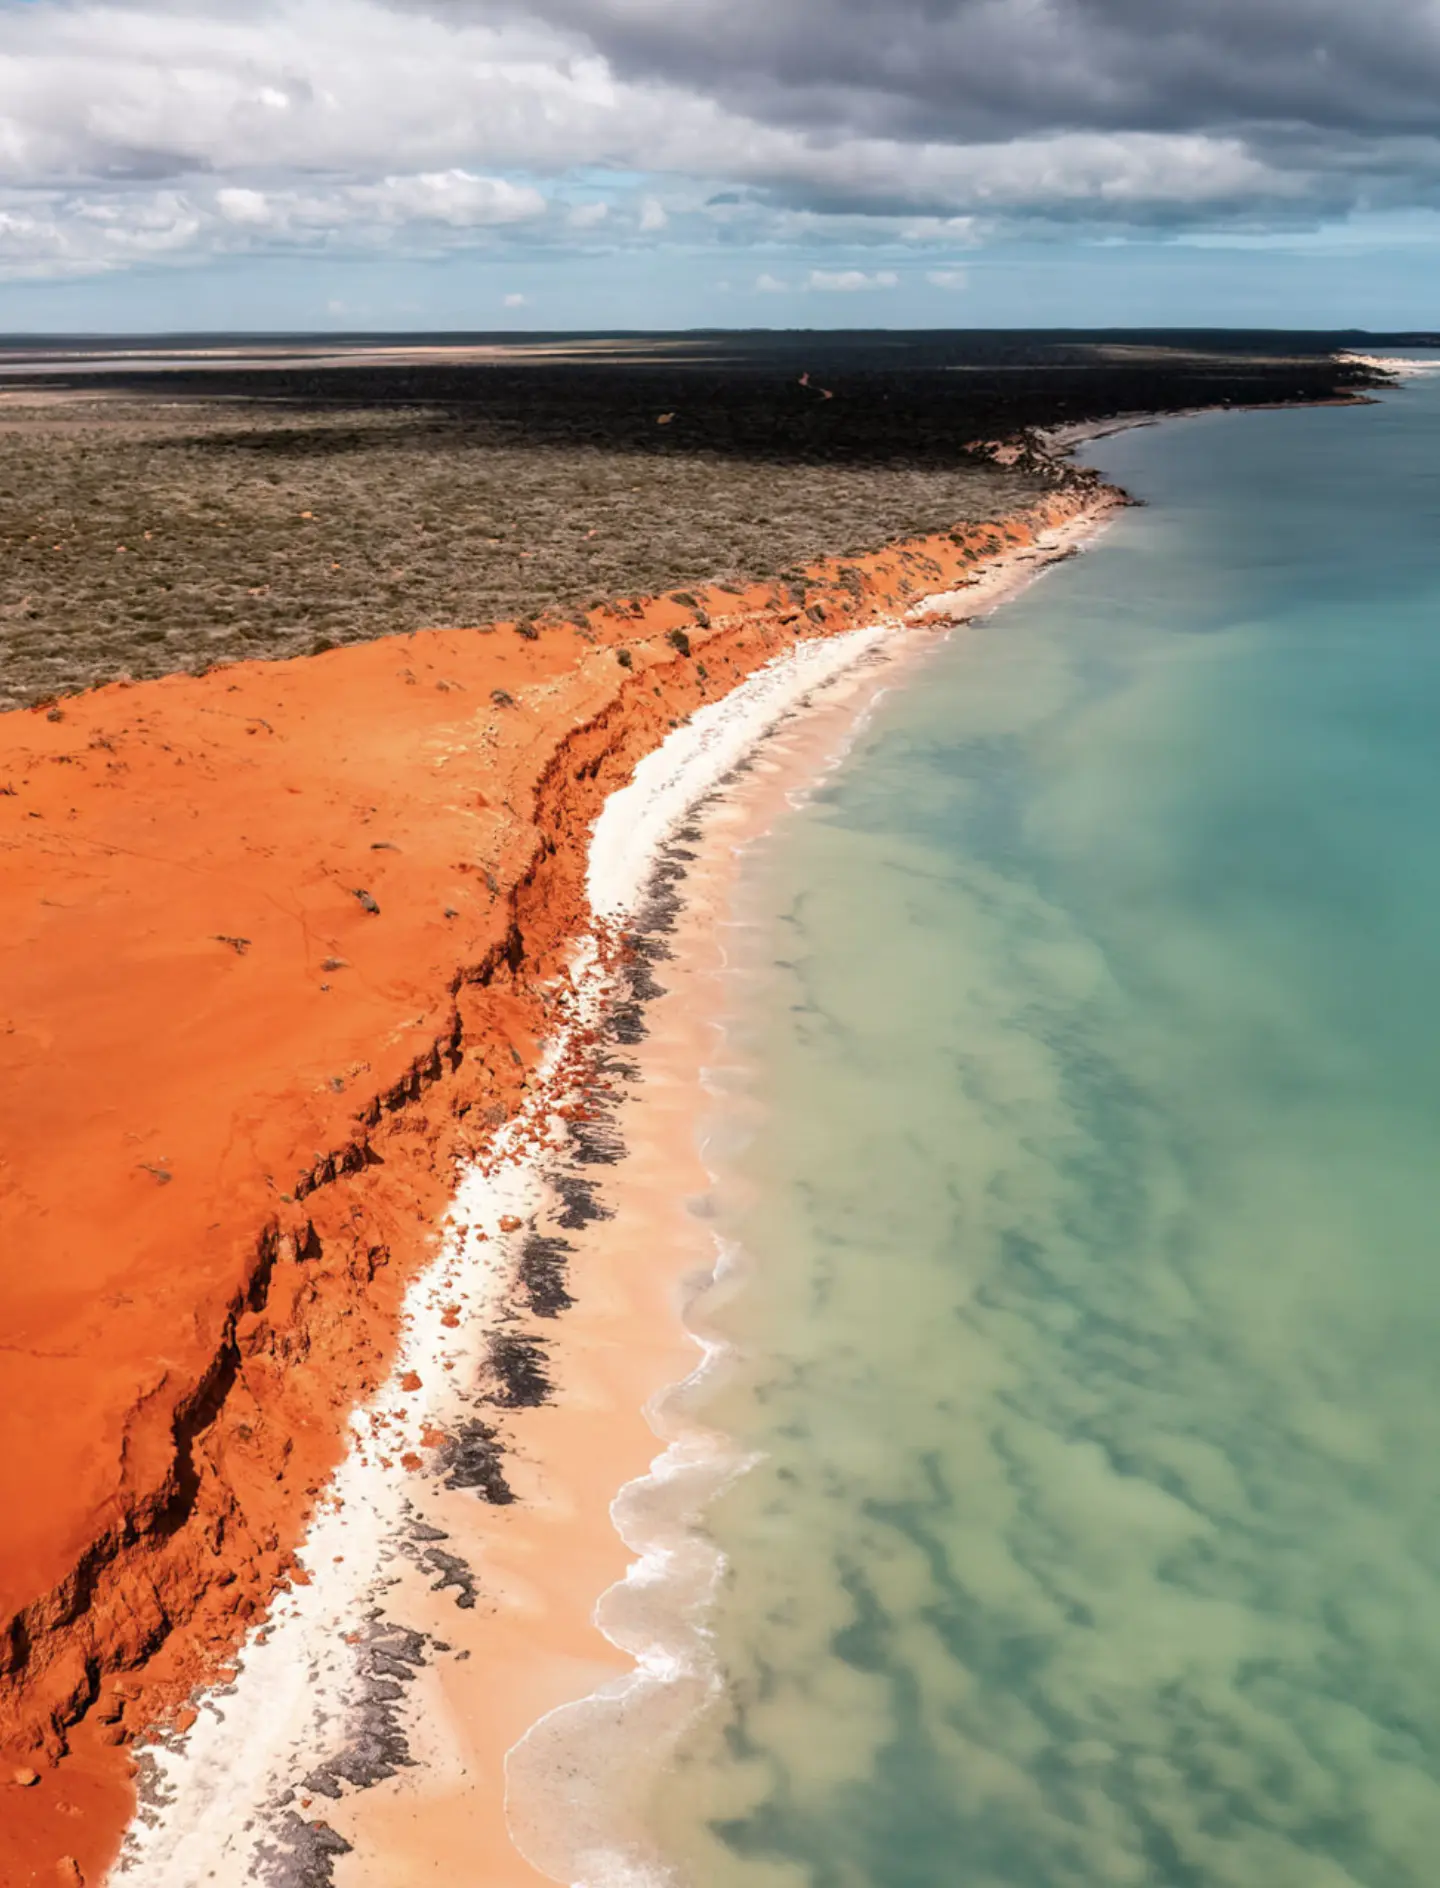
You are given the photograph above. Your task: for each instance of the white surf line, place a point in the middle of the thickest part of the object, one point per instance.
(579, 1754)
(636, 821)
(1401, 365)
(1001, 580)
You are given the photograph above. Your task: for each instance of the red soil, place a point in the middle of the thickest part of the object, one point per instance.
(233, 1093)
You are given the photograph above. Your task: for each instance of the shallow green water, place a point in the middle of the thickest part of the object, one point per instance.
(1089, 1320)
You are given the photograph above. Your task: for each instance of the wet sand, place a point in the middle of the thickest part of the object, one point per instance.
(543, 1563)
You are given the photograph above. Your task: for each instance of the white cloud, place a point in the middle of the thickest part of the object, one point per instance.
(455, 197)
(352, 89)
(851, 281)
(948, 278)
(324, 124)
(515, 301)
(951, 230)
(767, 284)
(46, 238)
(92, 231)
(343, 86)
(237, 205)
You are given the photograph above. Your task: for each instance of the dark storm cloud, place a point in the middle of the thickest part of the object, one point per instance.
(990, 69)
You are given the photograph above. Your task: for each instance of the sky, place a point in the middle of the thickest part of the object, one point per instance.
(180, 165)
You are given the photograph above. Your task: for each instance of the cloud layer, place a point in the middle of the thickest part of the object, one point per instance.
(994, 69)
(166, 128)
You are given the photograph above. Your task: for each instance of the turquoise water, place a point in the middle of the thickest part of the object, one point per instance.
(1088, 1319)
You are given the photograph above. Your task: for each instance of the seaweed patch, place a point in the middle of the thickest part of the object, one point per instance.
(543, 1260)
(519, 1366)
(472, 1459)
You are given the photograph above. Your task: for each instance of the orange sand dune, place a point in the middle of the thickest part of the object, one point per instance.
(273, 947)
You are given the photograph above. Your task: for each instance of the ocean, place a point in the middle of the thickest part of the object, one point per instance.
(1080, 1313)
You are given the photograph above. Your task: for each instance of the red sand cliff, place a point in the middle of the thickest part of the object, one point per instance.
(272, 959)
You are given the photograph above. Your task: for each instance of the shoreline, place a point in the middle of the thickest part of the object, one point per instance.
(556, 1626)
(581, 1759)
(331, 1211)
(579, 1778)
(501, 1568)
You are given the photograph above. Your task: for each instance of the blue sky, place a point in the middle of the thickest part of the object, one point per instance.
(672, 163)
